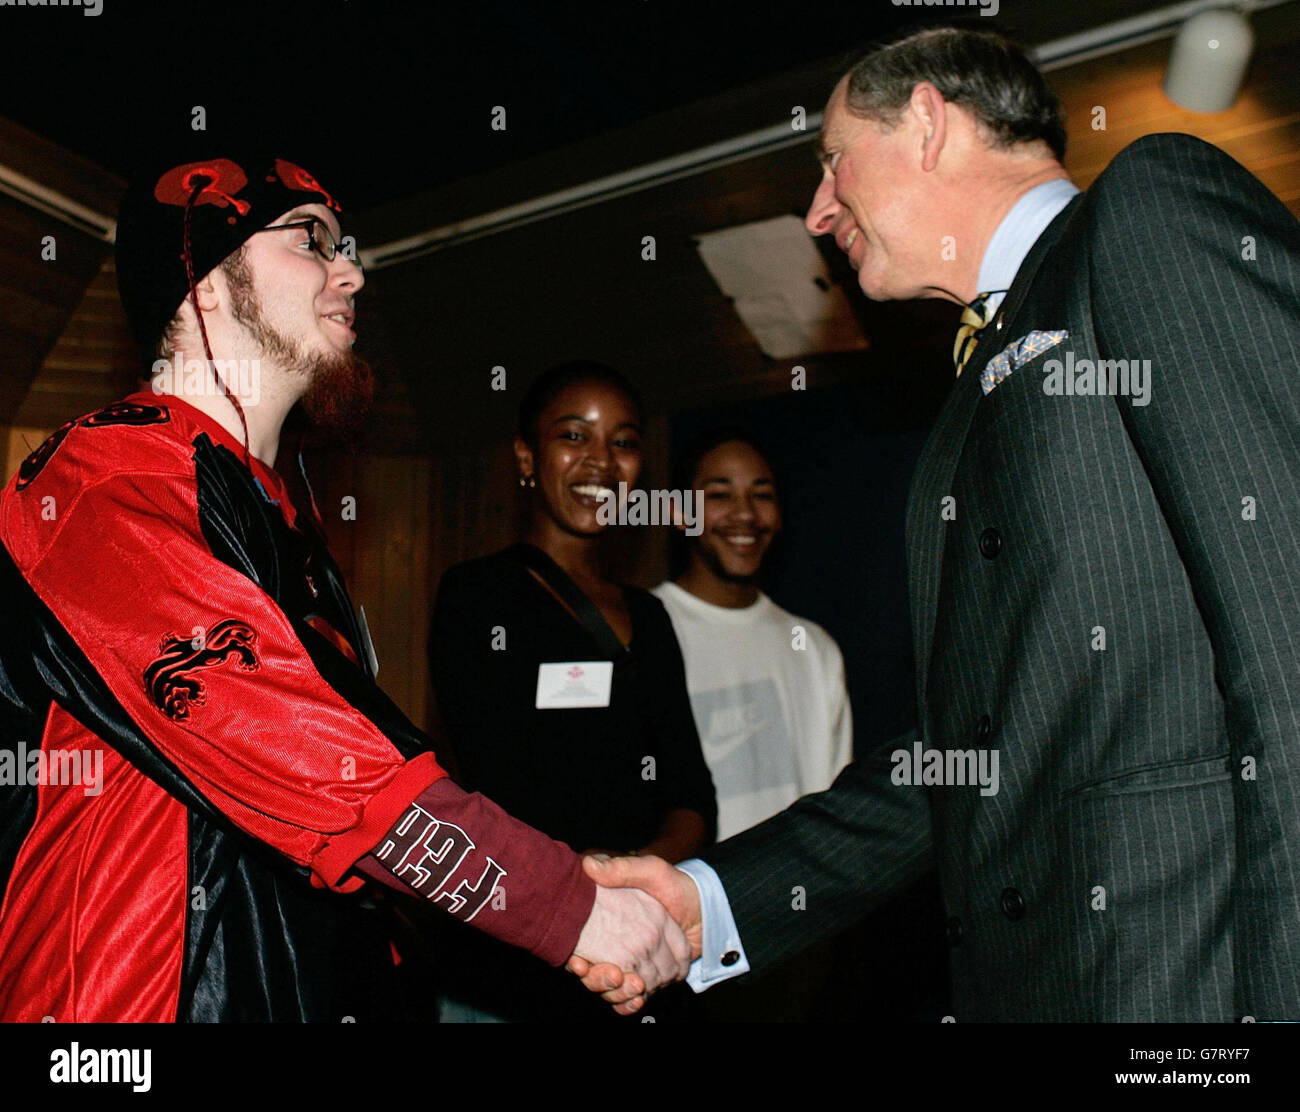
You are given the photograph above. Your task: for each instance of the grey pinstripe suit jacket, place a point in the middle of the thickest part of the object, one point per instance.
(1141, 858)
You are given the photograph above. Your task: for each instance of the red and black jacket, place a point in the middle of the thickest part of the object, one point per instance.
(169, 614)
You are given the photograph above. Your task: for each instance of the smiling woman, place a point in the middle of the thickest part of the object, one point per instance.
(562, 691)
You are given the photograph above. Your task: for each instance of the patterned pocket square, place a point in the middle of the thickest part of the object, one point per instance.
(1017, 355)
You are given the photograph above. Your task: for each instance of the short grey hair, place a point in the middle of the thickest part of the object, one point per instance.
(981, 71)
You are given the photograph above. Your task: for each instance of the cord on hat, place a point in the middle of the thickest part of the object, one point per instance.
(204, 183)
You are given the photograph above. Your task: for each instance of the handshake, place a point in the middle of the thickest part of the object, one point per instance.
(644, 930)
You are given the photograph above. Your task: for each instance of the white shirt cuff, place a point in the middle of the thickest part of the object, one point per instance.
(722, 956)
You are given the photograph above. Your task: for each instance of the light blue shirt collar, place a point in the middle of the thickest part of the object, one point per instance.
(1018, 232)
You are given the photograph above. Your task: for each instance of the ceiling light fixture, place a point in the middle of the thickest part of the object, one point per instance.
(1209, 60)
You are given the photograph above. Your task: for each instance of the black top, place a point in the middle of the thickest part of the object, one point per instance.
(583, 776)
(600, 777)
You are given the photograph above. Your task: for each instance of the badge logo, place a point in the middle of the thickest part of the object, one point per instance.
(171, 679)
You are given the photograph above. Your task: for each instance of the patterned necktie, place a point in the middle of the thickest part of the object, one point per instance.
(974, 318)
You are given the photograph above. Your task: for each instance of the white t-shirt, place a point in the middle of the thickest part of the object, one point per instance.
(773, 717)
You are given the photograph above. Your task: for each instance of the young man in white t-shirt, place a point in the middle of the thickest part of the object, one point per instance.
(766, 687)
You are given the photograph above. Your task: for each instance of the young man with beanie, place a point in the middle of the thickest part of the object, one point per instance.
(205, 783)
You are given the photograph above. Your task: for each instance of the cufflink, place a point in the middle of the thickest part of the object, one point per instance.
(730, 958)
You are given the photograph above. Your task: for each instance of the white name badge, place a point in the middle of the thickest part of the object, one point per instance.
(582, 683)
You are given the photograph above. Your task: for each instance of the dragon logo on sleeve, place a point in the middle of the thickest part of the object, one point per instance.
(171, 679)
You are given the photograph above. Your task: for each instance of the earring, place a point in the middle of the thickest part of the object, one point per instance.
(527, 481)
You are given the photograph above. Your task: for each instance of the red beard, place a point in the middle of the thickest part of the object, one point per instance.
(342, 387)
(339, 398)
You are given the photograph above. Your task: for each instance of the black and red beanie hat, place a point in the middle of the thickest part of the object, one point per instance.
(205, 210)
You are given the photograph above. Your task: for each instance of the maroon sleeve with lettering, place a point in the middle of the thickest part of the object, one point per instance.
(460, 850)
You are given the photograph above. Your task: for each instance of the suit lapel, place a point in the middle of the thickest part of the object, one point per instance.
(926, 528)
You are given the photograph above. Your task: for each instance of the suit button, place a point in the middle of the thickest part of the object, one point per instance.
(954, 930)
(1013, 904)
(983, 729)
(730, 958)
(990, 543)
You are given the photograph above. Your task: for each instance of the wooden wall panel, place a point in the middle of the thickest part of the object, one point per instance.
(17, 443)
(93, 361)
(1261, 130)
(384, 554)
(38, 296)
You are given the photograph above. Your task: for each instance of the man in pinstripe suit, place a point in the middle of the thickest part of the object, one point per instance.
(1104, 561)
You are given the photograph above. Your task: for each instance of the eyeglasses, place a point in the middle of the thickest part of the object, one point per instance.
(319, 236)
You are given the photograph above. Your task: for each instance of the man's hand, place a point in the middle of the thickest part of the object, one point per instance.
(629, 947)
(672, 888)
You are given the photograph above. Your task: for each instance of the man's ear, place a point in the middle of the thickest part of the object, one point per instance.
(209, 294)
(209, 299)
(931, 112)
